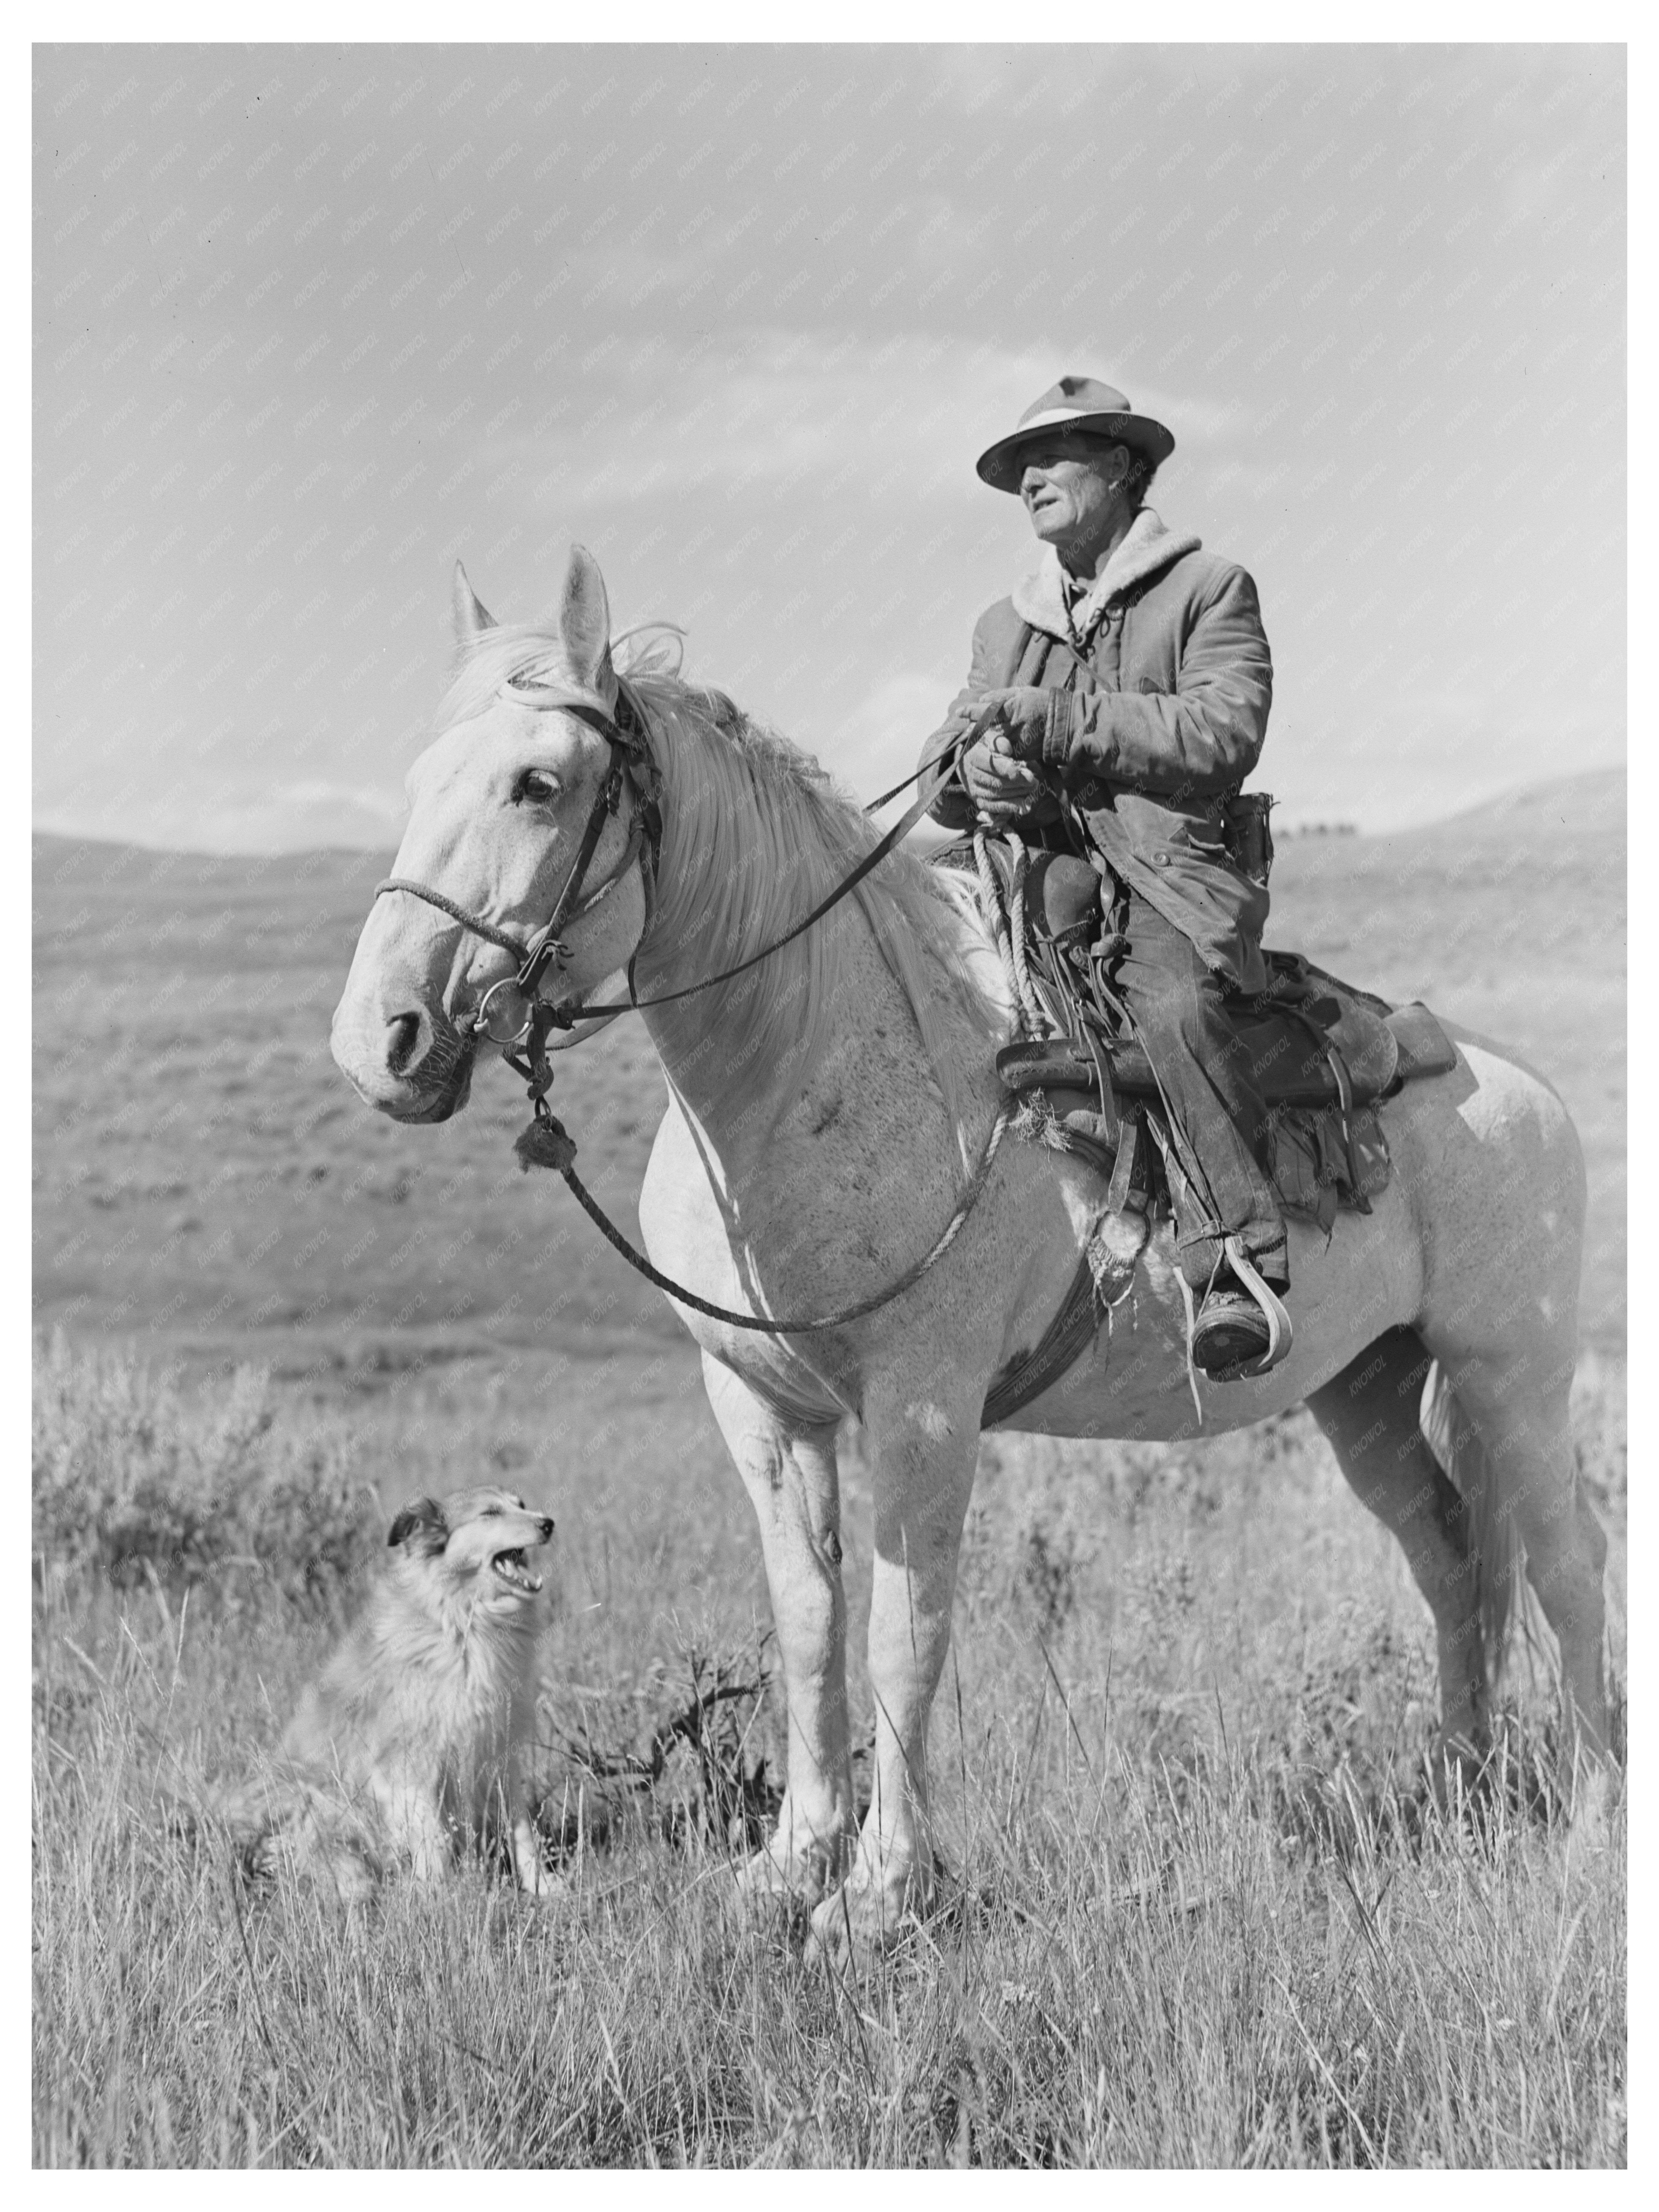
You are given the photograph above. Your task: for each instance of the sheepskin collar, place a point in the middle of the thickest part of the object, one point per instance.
(1149, 545)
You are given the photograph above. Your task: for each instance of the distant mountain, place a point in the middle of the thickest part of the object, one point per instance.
(1593, 803)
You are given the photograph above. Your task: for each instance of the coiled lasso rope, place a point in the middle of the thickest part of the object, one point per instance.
(1006, 923)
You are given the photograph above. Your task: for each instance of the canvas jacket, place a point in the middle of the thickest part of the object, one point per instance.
(1157, 724)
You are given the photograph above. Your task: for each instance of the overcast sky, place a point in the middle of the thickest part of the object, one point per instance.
(309, 321)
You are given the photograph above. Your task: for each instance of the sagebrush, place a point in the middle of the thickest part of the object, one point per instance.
(133, 1476)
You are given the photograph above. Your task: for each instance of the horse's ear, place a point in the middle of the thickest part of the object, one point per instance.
(473, 617)
(585, 624)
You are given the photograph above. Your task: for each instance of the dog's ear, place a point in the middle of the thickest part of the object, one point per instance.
(420, 1517)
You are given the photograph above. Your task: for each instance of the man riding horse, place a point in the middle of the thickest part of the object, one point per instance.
(1130, 671)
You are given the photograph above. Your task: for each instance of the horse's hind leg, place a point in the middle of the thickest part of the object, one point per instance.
(1517, 1408)
(1501, 1186)
(1369, 1413)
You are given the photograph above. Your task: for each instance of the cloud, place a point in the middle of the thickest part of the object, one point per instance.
(768, 413)
(740, 319)
(880, 740)
(773, 408)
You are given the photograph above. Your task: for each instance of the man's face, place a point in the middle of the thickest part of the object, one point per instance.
(1072, 486)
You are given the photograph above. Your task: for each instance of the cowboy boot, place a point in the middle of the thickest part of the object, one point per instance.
(1231, 1330)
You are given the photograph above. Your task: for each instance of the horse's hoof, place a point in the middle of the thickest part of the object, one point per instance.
(1459, 1770)
(858, 1925)
(763, 1885)
(832, 1940)
(788, 1873)
(1590, 1821)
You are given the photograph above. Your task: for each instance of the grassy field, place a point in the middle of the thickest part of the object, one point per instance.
(1205, 1912)
(1204, 1909)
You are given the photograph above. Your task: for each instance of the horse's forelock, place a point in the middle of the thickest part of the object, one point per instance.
(524, 652)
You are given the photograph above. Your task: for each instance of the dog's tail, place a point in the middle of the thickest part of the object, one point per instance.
(283, 1819)
(249, 1816)
(256, 1808)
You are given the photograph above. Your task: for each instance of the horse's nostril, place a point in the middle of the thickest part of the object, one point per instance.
(402, 1041)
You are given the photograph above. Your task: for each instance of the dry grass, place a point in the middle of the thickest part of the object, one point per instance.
(1203, 1907)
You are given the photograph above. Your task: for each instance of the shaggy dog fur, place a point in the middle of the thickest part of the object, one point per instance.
(410, 1744)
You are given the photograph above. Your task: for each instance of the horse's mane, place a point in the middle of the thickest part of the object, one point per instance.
(754, 834)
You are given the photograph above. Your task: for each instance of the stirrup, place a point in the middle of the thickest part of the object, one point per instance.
(1046, 1063)
(1230, 1333)
(1280, 1333)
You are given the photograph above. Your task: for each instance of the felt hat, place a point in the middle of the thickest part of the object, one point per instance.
(1077, 402)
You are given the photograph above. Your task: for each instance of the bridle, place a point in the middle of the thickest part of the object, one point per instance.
(630, 768)
(624, 731)
(546, 1142)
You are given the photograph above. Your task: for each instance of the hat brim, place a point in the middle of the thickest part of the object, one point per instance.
(1001, 466)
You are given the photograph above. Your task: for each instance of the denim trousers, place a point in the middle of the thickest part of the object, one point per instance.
(1223, 1135)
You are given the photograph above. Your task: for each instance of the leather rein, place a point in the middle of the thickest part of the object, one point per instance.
(545, 1142)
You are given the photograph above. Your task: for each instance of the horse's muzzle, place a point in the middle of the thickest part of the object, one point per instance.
(408, 1064)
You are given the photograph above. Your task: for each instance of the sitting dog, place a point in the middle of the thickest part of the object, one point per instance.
(411, 1743)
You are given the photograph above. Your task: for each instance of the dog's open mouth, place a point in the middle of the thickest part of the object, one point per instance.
(510, 1566)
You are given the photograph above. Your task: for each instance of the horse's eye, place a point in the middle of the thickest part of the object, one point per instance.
(537, 785)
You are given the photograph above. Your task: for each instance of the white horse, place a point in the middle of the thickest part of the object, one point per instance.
(824, 1111)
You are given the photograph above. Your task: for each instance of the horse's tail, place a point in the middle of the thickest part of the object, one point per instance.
(1495, 1549)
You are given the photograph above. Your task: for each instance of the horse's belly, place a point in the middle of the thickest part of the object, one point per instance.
(1132, 1382)
(1142, 1393)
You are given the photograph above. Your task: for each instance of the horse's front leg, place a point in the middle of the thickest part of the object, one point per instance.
(923, 1454)
(794, 1486)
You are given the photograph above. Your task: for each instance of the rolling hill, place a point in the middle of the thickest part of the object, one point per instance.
(207, 1185)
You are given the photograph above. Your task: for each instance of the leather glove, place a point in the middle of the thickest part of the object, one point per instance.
(1000, 787)
(1023, 713)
